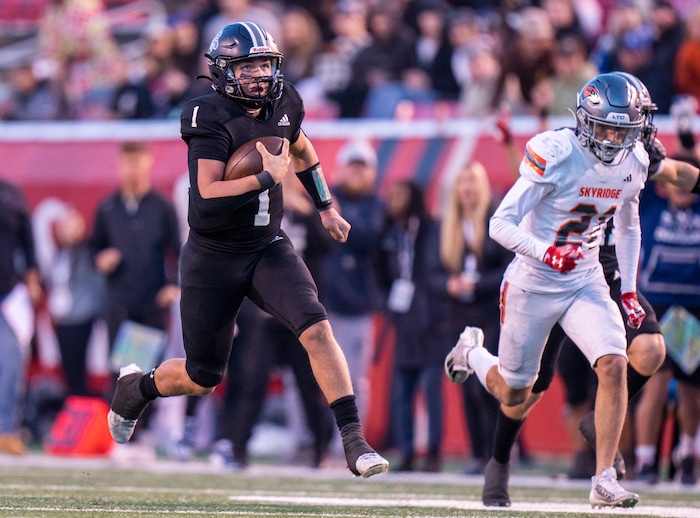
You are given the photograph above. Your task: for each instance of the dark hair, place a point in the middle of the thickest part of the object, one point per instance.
(416, 200)
(134, 147)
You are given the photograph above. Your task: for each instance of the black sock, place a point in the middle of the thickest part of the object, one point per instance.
(147, 385)
(635, 382)
(506, 434)
(345, 411)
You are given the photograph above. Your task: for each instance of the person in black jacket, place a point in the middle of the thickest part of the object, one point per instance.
(415, 282)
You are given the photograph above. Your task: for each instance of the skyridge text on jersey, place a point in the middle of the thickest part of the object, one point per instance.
(599, 192)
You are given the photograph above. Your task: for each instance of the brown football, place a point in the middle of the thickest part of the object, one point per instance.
(246, 160)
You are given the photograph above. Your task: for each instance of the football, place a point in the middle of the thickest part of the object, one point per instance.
(246, 160)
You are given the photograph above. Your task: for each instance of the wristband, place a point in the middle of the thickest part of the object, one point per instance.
(315, 184)
(266, 180)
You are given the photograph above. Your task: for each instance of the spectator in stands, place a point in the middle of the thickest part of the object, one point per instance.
(415, 281)
(572, 70)
(131, 97)
(633, 53)
(186, 55)
(333, 67)
(527, 59)
(20, 290)
(624, 17)
(669, 34)
(32, 98)
(565, 20)
(451, 72)
(431, 48)
(380, 65)
(75, 37)
(231, 11)
(300, 42)
(135, 241)
(687, 64)
(484, 69)
(475, 264)
(349, 288)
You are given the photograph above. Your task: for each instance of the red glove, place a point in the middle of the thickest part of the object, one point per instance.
(635, 312)
(563, 258)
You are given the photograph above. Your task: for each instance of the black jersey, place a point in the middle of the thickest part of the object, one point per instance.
(214, 126)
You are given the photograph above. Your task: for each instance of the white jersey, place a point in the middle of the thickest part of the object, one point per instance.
(565, 195)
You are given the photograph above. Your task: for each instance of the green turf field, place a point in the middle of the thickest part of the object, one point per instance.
(41, 486)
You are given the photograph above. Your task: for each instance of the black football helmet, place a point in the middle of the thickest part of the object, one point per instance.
(609, 116)
(648, 108)
(238, 42)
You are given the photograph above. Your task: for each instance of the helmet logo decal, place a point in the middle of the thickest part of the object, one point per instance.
(256, 50)
(591, 94)
(215, 42)
(623, 117)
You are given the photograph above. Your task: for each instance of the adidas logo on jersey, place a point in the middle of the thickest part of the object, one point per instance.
(284, 121)
(628, 178)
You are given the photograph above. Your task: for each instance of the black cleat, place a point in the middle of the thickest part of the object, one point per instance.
(127, 404)
(362, 460)
(495, 492)
(587, 429)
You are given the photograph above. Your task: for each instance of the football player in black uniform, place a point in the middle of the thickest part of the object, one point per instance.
(645, 346)
(236, 248)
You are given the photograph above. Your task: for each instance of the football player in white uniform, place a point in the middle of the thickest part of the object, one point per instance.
(571, 183)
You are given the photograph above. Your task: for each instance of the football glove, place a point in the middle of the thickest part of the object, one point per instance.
(635, 312)
(657, 153)
(563, 258)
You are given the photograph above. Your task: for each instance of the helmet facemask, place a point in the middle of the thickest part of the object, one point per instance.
(230, 86)
(606, 139)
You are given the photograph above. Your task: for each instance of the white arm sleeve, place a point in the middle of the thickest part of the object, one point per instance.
(628, 239)
(503, 226)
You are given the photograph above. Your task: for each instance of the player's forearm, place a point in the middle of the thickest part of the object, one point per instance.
(509, 235)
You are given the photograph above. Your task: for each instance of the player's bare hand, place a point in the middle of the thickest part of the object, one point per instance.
(276, 165)
(167, 295)
(108, 260)
(335, 224)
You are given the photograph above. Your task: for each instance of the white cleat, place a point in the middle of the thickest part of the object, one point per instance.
(370, 464)
(456, 364)
(607, 492)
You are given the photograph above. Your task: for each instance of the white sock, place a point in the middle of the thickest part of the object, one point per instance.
(645, 454)
(481, 361)
(685, 445)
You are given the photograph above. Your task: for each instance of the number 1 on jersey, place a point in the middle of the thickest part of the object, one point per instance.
(262, 218)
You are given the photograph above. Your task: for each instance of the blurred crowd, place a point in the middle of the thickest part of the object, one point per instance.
(358, 58)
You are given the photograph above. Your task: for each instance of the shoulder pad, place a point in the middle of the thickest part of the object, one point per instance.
(641, 154)
(542, 151)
